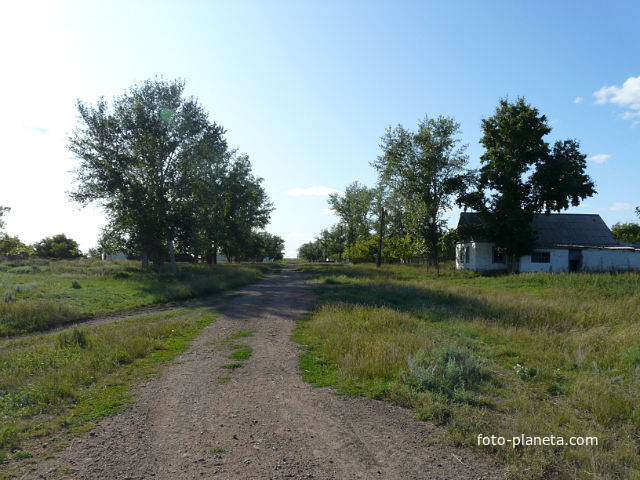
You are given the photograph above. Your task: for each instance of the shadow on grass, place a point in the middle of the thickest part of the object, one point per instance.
(436, 305)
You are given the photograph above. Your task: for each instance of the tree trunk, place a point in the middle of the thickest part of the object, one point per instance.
(215, 253)
(380, 233)
(172, 257)
(145, 260)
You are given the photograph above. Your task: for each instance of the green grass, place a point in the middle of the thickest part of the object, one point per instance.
(37, 295)
(54, 386)
(534, 354)
(232, 366)
(238, 351)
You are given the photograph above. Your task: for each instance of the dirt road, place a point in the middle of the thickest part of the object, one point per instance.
(265, 422)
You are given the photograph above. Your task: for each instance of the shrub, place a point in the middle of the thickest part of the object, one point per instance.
(75, 337)
(450, 371)
(75, 284)
(58, 246)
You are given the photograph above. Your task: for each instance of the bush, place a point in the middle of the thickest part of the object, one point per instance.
(452, 370)
(58, 246)
(75, 284)
(72, 338)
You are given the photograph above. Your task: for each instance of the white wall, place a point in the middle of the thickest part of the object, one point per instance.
(480, 258)
(558, 262)
(596, 259)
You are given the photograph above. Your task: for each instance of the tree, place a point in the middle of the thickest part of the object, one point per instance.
(522, 176)
(626, 232)
(3, 210)
(246, 207)
(13, 246)
(139, 159)
(425, 168)
(310, 252)
(354, 209)
(59, 246)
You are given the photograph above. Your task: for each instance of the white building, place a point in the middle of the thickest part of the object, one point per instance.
(565, 242)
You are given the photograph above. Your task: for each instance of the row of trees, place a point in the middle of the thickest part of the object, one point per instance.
(58, 246)
(167, 179)
(424, 173)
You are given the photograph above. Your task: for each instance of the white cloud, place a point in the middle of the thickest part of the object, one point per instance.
(578, 100)
(621, 206)
(317, 191)
(627, 96)
(601, 158)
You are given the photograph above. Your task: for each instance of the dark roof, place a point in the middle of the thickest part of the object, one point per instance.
(566, 229)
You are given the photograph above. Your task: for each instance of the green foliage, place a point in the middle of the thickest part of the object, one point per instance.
(165, 176)
(424, 169)
(13, 246)
(3, 210)
(75, 284)
(311, 252)
(521, 175)
(58, 246)
(354, 210)
(626, 232)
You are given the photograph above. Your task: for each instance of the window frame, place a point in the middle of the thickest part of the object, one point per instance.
(498, 256)
(545, 254)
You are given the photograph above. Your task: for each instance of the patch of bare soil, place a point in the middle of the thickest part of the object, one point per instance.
(265, 422)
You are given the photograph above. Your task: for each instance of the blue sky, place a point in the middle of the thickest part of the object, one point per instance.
(307, 89)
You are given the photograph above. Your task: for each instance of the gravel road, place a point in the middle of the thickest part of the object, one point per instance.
(265, 422)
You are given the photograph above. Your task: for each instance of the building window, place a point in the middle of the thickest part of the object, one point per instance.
(467, 254)
(541, 257)
(498, 255)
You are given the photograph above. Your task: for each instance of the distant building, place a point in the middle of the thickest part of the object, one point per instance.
(113, 256)
(565, 242)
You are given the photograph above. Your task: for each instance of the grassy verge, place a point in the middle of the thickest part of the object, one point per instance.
(532, 354)
(37, 295)
(54, 386)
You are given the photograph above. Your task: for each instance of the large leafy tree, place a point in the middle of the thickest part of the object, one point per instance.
(138, 159)
(521, 175)
(354, 209)
(246, 207)
(425, 168)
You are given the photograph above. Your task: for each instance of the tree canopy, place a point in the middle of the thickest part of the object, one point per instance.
(521, 175)
(165, 175)
(424, 169)
(59, 247)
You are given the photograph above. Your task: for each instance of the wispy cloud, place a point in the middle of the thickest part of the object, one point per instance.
(36, 129)
(621, 206)
(627, 96)
(601, 158)
(316, 191)
(578, 100)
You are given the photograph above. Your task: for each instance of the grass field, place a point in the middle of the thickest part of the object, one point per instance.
(532, 354)
(55, 386)
(37, 295)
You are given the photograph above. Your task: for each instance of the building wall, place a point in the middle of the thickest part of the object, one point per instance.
(558, 261)
(597, 259)
(480, 258)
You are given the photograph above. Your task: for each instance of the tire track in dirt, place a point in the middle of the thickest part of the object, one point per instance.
(265, 422)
